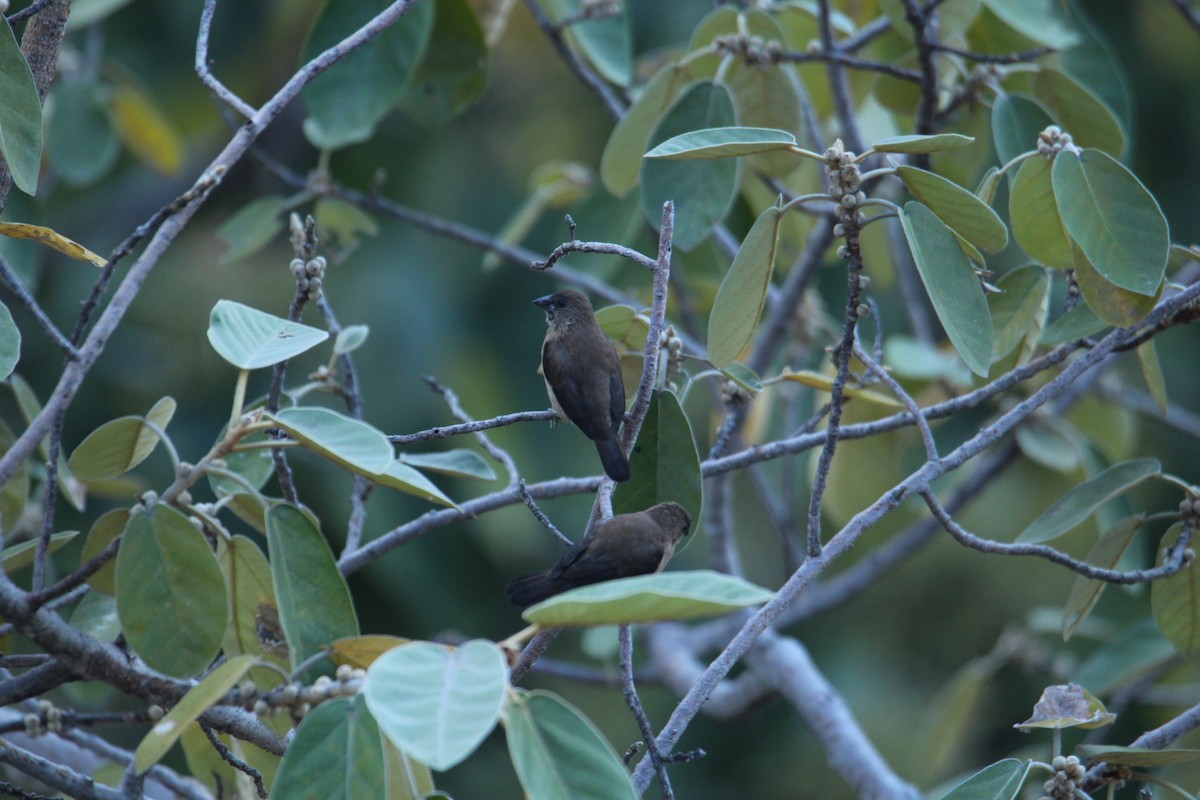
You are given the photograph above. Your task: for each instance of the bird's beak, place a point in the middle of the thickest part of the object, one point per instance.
(546, 305)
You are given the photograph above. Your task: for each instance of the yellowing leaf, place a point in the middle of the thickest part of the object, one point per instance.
(360, 652)
(51, 238)
(825, 384)
(144, 129)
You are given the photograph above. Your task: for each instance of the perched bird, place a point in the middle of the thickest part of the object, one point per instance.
(627, 544)
(583, 375)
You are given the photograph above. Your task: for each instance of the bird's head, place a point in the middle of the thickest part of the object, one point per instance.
(565, 306)
(671, 517)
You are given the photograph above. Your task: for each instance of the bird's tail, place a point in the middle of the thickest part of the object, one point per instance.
(529, 589)
(616, 466)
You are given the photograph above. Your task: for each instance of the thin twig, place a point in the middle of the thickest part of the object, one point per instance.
(540, 516)
(223, 92)
(446, 431)
(1174, 561)
(995, 58)
(485, 441)
(586, 74)
(629, 690)
(30, 304)
(28, 11)
(839, 86)
(1189, 12)
(49, 502)
(836, 57)
(904, 397)
(229, 758)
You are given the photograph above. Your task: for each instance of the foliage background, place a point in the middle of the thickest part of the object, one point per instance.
(433, 310)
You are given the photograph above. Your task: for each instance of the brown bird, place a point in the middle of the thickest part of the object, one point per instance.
(627, 544)
(583, 375)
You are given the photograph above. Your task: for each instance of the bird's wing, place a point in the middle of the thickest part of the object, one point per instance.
(566, 385)
(616, 398)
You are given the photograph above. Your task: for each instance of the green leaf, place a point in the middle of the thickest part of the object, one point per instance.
(915, 143)
(743, 291)
(559, 754)
(1078, 323)
(198, 699)
(723, 143)
(1052, 443)
(1067, 706)
(1126, 655)
(342, 223)
(107, 527)
(337, 754)
(1019, 311)
(170, 593)
(1038, 20)
(1017, 120)
(252, 227)
(1085, 116)
(453, 71)
(346, 102)
(79, 135)
(1079, 503)
(438, 703)
(743, 376)
(960, 209)
(249, 338)
(303, 568)
(648, 598)
(624, 325)
(665, 463)
(604, 41)
(403, 478)
(953, 288)
(1033, 214)
(1114, 220)
(120, 445)
(1135, 756)
(349, 339)
(988, 184)
(1175, 601)
(1111, 303)
(10, 343)
(20, 114)
(254, 622)
(457, 463)
(96, 615)
(22, 555)
(952, 714)
(253, 465)
(1106, 553)
(922, 361)
(703, 190)
(1000, 781)
(69, 486)
(1152, 374)
(346, 441)
(766, 96)
(622, 157)
(407, 778)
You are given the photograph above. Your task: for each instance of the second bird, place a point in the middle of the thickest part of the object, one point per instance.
(625, 545)
(583, 375)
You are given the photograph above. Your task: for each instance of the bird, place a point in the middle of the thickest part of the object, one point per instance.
(624, 545)
(583, 375)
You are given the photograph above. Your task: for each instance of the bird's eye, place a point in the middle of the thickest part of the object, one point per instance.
(561, 303)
